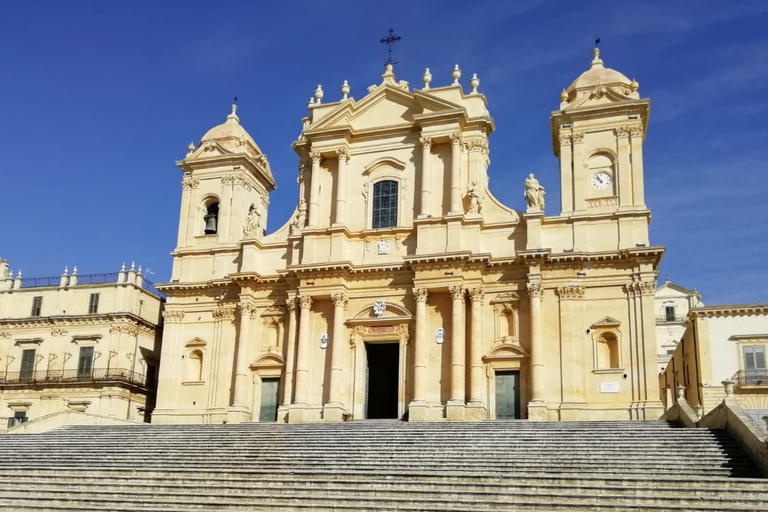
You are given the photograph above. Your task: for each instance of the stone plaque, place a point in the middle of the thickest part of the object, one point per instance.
(609, 387)
(381, 329)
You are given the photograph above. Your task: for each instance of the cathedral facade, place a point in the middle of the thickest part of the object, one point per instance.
(401, 287)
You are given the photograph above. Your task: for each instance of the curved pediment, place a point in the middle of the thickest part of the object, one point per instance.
(506, 351)
(391, 311)
(268, 360)
(385, 161)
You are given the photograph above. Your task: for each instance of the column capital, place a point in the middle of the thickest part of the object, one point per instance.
(342, 154)
(570, 292)
(457, 292)
(315, 156)
(426, 142)
(305, 301)
(340, 299)
(455, 138)
(535, 290)
(577, 137)
(246, 308)
(290, 303)
(476, 294)
(420, 294)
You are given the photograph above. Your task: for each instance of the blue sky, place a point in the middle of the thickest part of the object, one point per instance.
(99, 99)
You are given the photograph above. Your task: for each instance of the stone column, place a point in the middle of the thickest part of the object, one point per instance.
(334, 409)
(455, 410)
(536, 409)
(239, 411)
(420, 352)
(476, 295)
(290, 356)
(314, 188)
(426, 181)
(456, 208)
(341, 187)
(302, 353)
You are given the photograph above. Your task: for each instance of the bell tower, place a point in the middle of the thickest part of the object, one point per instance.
(225, 194)
(598, 136)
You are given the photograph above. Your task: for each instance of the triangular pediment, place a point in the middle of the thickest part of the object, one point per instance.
(606, 322)
(670, 289)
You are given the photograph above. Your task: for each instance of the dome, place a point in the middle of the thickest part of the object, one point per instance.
(230, 134)
(598, 77)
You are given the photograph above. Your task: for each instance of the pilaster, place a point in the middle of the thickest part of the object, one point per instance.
(426, 178)
(537, 410)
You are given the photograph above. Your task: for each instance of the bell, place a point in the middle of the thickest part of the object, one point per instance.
(210, 224)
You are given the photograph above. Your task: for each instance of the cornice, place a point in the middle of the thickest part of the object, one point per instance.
(57, 322)
(729, 310)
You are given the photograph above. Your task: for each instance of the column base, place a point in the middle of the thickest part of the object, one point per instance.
(282, 413)
(455, 411)
(421, 411)
(333, 412)
(476, 412)
(238, 414)
(296, 413)
(537, 411)
(574, 411)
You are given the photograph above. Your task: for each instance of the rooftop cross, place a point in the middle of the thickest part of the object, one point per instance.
(390, 40)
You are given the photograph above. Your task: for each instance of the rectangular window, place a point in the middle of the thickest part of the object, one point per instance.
(85, 362)
(93, 305)
(37, 305)
(27, 364)
(754, 357)
(19, 417)
(669, 312)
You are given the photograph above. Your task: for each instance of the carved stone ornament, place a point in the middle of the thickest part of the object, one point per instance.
(457, 292)
(343, 154)
(189, 183)
(598, 91)
(315, 156)
(478, 146)
(565, 139)
(379, 307)
(228, 179)
(647, 288)
(623, 132)
(535, 290)
(534, 194)
(290, 303)
(426, 142)
(440, 336)
(455, 138)
(324, 340)
(340, 299)
(636, 131)
(225, 312)
(420, 294)
(246, 308)
(305, 302)
(577, 137)
(5, 335)
(382, 247)
(171, 316)
(570, 292)
(58, 331)
(476, 294)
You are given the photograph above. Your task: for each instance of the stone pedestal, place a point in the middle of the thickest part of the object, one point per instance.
(332, 413)
(455, 412)
(475, 412)
(296, 413)
(537, 411)
(417, 412)
(237, 414)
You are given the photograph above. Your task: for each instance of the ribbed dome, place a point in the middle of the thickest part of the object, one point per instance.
(230, 133)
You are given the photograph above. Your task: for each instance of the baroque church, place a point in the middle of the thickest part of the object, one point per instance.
(401, 287)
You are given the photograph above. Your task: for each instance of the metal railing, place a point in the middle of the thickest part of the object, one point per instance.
(109, 277)
(36, 282)
(150, 287)
(43, 377)
(664, 319)
(757, 377)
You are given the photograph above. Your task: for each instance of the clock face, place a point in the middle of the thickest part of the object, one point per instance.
(601, 180)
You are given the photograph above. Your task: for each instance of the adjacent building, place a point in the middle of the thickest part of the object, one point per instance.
(672, 305)
(88, 342)
(722, 343)
(401, 287)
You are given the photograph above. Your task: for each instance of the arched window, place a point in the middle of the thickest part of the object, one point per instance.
(195, 366)
(384, 204)
(211, 219)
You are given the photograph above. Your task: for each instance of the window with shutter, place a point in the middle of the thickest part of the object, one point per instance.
(27, 364)
(85, 362)
(93, 304)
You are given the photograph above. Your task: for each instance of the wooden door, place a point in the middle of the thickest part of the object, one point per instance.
(507, 395)
(268, 410)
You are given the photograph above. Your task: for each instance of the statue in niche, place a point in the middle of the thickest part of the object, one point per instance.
(534, 194)
(474, 199)
(300, 221)
(252, 221)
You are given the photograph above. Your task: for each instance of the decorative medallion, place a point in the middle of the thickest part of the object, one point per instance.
(379, 307)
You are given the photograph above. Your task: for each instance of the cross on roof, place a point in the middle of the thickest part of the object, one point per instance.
(390, 40)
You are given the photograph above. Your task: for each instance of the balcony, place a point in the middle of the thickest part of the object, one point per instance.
(670, 319)
(44, 378)
(757, 377)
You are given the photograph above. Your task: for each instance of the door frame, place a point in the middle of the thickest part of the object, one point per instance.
(518, 398)
(506, 357)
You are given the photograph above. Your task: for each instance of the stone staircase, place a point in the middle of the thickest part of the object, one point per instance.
(379, 466)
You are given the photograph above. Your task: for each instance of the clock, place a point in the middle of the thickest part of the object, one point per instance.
(601, 180)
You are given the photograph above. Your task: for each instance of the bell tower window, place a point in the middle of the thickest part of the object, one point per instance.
(211, 219)
(384, 204)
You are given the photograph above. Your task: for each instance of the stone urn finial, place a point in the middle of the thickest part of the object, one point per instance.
(319, 94)
(680, 391)
(474, 82)
(345, 90)
(427, 78)
(456, 74)
(728, 385)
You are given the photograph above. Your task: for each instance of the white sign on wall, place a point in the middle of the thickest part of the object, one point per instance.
(609, 387)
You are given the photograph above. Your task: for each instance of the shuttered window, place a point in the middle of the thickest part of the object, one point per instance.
(37, 305)
(754, 357)
(85, 362)
(93, 304)
(27, 364)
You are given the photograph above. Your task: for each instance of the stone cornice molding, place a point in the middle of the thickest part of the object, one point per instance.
(54, 322)
(572, 292)
(729, 310)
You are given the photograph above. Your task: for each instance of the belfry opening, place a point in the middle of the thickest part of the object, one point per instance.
(382, 378)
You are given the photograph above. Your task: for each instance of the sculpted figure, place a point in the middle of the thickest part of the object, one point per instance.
(252, 221)
(301, 217)
(534, 193)
(474, 199)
